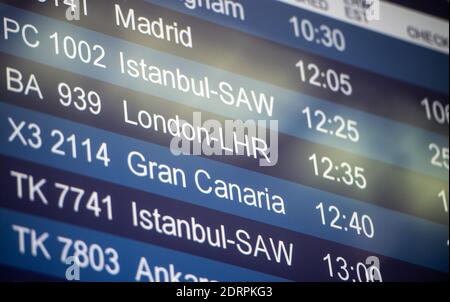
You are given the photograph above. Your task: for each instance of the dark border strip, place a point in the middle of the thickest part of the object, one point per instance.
(437, 8)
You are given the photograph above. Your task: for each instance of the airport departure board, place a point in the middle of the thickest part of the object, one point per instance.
(224, 140)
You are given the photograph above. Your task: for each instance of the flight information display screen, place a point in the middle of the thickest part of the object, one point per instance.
(224, 140)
